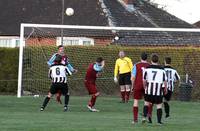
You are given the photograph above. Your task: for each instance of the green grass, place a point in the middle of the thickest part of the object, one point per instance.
(23, 115)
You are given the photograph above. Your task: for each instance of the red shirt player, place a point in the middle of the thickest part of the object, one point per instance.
(93, 72)
(137, 84)
(64, 61)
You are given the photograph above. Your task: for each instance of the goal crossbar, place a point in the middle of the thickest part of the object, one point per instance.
(23, 25)
(78, 27)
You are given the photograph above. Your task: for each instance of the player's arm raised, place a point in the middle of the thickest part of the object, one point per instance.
(51, 60)
(99, 67)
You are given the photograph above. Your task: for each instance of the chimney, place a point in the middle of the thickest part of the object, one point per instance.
(128, 2)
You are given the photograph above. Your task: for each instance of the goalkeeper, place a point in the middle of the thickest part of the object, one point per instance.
(123, 67)
(64, 61)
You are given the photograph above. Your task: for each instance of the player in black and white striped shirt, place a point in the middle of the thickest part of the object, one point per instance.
(172, 77)
(154, 79)
(58, 75)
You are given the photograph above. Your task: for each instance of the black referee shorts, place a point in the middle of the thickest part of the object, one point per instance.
(125, 79)
(153, 99)
(168, 95)
(55, 87)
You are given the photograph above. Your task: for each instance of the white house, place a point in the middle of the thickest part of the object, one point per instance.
(9, 41)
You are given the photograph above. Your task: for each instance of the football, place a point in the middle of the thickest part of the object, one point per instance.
(69, 11)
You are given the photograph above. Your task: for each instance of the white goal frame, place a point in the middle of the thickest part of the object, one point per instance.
(25, 25)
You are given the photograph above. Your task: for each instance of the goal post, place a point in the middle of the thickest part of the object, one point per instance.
(19, 89)
(38, 42)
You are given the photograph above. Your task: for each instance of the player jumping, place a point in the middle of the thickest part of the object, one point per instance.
(65, 61)
(58, 75)
(93, 72)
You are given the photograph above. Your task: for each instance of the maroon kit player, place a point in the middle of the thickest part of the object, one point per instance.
(137, 84)
(92, 73)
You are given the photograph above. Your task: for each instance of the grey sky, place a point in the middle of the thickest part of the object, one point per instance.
(188, 10)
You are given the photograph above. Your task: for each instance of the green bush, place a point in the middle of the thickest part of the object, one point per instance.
(9, 70)
(184, 59)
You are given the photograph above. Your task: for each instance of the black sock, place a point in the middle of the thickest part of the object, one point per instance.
(167, 108)
(66, 100)
(159, 115)
(145, 111)
(46, 100)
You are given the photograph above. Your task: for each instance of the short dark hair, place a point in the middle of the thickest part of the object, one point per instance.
(144, 56)
(154, 58)
(99, 59)
(60, 46)
(168, 60)
(58, 59)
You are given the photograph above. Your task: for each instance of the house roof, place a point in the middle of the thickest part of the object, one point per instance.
(91, 12)
(14, 12)
(197, 24)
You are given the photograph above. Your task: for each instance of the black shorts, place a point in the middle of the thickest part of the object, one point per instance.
(168, 95)
(55, 87)
(125, 79)
(153, 99)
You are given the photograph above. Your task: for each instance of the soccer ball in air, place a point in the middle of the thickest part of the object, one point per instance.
(69, 11)
(116, 38)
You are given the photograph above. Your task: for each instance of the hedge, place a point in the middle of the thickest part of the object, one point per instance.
(8, 70)
(185, 60)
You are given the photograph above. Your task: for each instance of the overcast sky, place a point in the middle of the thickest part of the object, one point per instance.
(188, 10)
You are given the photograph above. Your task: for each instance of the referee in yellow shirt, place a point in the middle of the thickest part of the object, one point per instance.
(122, 74)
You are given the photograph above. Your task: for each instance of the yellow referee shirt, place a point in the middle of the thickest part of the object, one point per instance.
(123, 65)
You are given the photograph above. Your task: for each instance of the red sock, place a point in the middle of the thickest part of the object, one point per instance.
(92, 101)
(123, 96)
(58, 95)
(127, 95)
(150, 109)
(135, 114)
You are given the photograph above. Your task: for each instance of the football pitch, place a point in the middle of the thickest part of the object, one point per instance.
(24, 115)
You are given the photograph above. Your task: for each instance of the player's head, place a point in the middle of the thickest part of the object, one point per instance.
(168, 60)
(144, 56)
(58, 59)
(99, 61)
(154, 58)
(121, 54)
(61, 49)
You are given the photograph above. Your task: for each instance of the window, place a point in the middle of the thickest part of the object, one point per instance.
(17, 43)
(86, 42)
(5, 42)
(9, 42)
(75, 41)
(70, 42)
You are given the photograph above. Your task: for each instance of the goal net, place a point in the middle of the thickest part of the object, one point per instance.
(83, 44)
